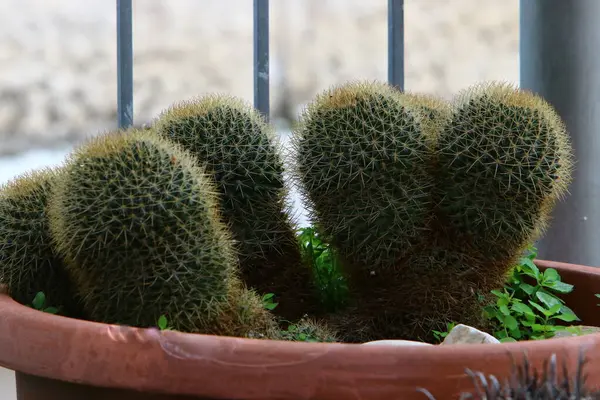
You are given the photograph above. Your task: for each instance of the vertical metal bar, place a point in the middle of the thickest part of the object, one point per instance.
(559, 61)
(261, 57)
(396, 43)
(124, 63)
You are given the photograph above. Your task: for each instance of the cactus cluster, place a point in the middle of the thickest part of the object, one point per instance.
(137, 224)
(28, 261)
(234, 143)
(428, 202)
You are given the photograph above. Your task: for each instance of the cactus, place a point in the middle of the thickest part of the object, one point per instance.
(429, 203)
(504, 161)
(236, 145)
(309, 330)
(244, 316)
(137, 222)
(28, 262)
(363, 154)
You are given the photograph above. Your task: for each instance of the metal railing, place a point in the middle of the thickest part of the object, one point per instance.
(261, 55)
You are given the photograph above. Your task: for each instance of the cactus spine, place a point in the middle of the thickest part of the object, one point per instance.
(28, 261)
(430, 203)
(236, 146)
(138, 223)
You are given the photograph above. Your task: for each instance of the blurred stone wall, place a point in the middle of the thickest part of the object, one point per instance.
(58, 57)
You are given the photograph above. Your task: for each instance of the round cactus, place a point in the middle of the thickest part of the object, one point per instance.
(137, 222)
(363, 159)
(28, 262)
(504, 160)
(234, 143)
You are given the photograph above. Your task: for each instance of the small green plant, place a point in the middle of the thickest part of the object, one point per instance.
(439, 335)
(163, 323)
(325, 266)
(268, 302)
(526, 311)
(39, 303)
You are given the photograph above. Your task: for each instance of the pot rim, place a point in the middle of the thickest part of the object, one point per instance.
(67, 349)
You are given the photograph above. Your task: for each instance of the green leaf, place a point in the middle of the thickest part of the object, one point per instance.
(271, 306)
(527, 288)
(507, 340)
(550, 275)
(567, 310)
(498, 293)
(560, 287)
(539, 327)
(162, 322)
(51, 310)
(597, 295)
(516, 333)
(548, 299)
(538, 307)
(567, 317)
(523, 309)
(504, 309)
(268, 296)
(554, 309)
(39, 300)
(510, 322)
(530, 268)
(500, 334)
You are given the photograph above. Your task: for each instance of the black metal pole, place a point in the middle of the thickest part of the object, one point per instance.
(124, 63)
(396, 43)
(261, 56)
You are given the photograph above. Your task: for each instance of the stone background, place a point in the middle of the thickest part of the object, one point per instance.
(58, 57)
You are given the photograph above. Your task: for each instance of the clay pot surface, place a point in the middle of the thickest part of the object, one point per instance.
(63, 358)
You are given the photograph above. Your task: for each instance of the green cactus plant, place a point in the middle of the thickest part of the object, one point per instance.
(137, 222)
(234, 143)
(504, 161)
(28, 261)
(363, 154)
(429, 203)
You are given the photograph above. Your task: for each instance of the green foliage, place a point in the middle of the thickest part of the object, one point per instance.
(268, 302)
(526, 311)
(39, 303)
(440, 335)
(325, 266)
(28, 261)
(138, 223)
(163, 323)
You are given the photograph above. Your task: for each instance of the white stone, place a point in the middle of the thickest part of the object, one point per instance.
(396, 343)
(464, 334)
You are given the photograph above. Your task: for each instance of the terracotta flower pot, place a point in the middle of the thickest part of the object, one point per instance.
(62, 358)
